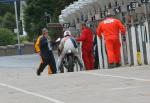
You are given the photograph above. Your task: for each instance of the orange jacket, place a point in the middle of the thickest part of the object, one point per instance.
(86, 38)
(110, 27)
(37, 44)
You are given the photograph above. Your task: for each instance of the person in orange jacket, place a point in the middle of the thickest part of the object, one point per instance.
(111, 27)
(37, 50)
(43, 48)
(86, 38)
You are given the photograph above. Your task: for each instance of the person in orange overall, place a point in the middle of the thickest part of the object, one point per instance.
(111, 27)
(86, 38)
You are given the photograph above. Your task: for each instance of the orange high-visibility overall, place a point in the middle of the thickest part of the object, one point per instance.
(87, 44)
(111, 27)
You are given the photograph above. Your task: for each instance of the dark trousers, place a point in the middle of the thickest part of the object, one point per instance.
(48, 61)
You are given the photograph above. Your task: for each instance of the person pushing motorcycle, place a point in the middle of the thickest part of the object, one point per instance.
(68, 42)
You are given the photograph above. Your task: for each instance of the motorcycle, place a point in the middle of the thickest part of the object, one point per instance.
(69, 62)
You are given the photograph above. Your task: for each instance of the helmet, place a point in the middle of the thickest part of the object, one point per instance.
(67, 33)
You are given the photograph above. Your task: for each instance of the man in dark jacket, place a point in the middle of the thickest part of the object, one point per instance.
(46, 53)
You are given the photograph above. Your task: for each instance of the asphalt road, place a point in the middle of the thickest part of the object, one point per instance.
(23, 61)
(20, 84)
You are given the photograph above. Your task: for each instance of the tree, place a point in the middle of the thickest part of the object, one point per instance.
(9, 21)
(6, 7)
(7, 16)
(7, 37)
(34, 14)
(1, 20)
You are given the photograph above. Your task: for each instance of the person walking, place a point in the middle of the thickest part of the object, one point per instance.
(111, 27)
(44, 49)
(86, 38)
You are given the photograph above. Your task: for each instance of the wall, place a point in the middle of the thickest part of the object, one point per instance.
(10, 50)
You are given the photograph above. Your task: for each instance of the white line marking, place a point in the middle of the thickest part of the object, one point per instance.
(31, 93)
(122, 77)
(124, 88)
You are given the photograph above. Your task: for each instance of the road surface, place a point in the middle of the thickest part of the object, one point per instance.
(20, 84)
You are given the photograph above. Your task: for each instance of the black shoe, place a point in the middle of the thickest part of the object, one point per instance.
(118, 64)
(82, 68)
(54, 73)
(111, 66)
(38, 73)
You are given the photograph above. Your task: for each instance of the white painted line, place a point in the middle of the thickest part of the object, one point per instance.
(31, 93)
(125, 88)
(121, 77)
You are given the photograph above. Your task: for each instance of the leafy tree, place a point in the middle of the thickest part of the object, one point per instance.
(1, 20)
(7, 16)
(7, 37)
(9, 21)
(24, 39)
(34, 14)
(6, 7)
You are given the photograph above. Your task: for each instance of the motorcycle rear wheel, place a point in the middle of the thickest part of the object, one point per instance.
(70, 64)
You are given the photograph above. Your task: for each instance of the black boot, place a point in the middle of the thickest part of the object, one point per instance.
(38, 73)
(118, 64)
(112, 65)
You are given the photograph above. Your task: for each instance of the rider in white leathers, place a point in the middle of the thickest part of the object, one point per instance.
(68, 43)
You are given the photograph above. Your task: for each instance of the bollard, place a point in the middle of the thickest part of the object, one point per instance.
(139, 58)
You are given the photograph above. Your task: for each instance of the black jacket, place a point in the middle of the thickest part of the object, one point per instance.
(45, 47)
